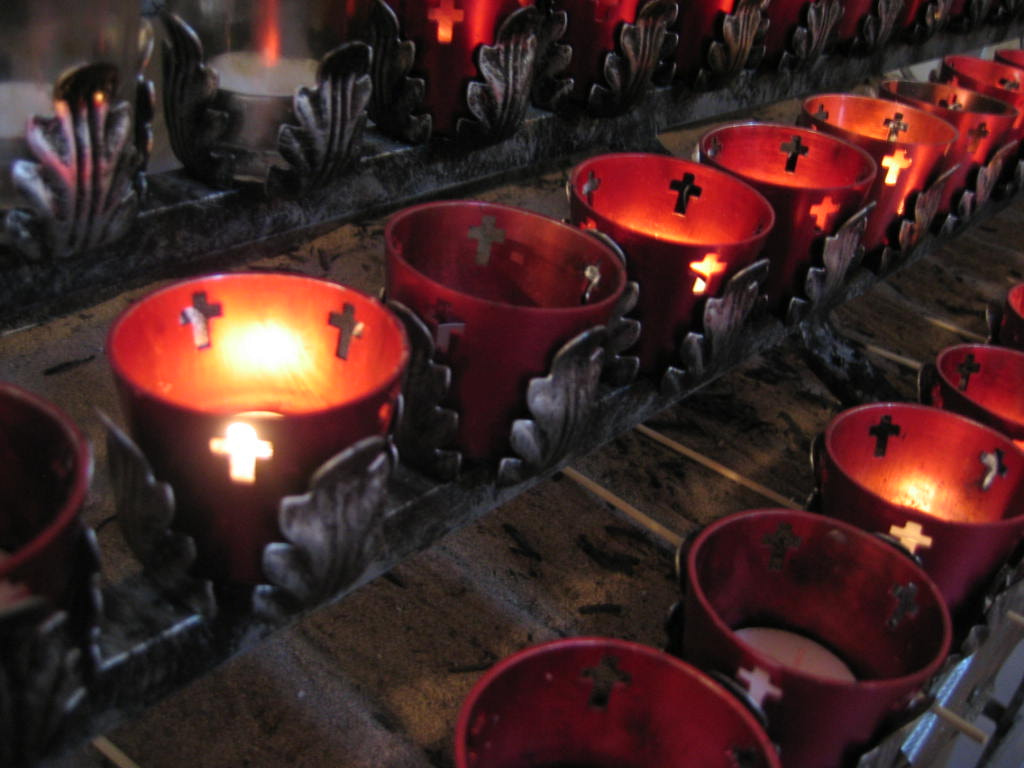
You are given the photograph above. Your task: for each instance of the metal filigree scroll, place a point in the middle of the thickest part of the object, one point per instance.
(741, 45)
(145, 509)
(194, 127)
(331, 120)
(976, 13)
(85, 186)
(877, 27)
(926, 205)
(332, 532)
(550, 87)
(933, 17)
(811, 38)
(499, 103)
(841, 254)
(425, 427)
(560, 405)
(990, 173)
(623, 333)
(702, 354)
(640, 59)
(396, 96)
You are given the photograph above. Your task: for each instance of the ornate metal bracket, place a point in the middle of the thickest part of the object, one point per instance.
(332, 532)
(877, 27)
(811, 38)
(841, 254)
(623, 332)
(85, 186)
(396, 96)
(976, 13)
(926, 205)
(550, 87)
(933, 17)
(145, 513)
(990, 173)
(640, 59)
(703, 354)
(425, 427)
(741, 46)
(331, 120)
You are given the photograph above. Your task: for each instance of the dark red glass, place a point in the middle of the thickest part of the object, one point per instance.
(906, 164)
(1001, 81)
(593, 32)
(784, 17)
(678, 258)
(502, 289)
(1011, 331)
(828, 582)
(598, 702)
(854, 12)
(700, 24)
(45, 469)
(814, 181)
(306, 367)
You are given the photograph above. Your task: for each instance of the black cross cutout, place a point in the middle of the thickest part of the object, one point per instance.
(977, 133)
(604, 677)
(199, 316)
(895, 124)
(952, 103)
(346, 323)
(591, 186)
(966, 369)
(906, 603)
(994, 466)
(1009, 84)
(882, 431)
(822, 113)
(796, 150)
(686, 189)
(486, 235)
(781, 541)
(714, 146)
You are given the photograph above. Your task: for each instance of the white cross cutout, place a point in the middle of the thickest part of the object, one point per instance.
(242, 446)
(759, 685)
(911, 536)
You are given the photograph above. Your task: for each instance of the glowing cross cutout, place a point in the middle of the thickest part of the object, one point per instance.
(707, 268)
(242, 446)
(759, 685)
(823, 210)
(977, 134)
(911, 536)
(894, 163)
(447, 16)
(603, 8)
(1010, 84)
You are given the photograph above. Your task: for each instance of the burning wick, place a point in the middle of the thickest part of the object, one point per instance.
(707, 268)
(242, 446)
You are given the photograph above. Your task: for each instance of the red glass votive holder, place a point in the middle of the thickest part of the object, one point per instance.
(849, 25)
(784, 17)
(238, 387)
(686, 228)
(593, 701)
(908, 145)
(1000, 81)
(1013, 57)
(448, 34)
(501, 289)
(45, 469)
(1011, 329)
(700, 24)
(593, 32)
(949, 489)
(814, 181)
(831, 630)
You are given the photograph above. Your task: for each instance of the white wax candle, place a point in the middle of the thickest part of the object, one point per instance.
(797, 652)
(246, 72)
(19, 100)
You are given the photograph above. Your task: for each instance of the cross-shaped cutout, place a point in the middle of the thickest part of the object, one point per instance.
(448, 327)
(706, 268)
(243, 446)
(1009, 83)
(198, 316)
(345, 321)
(952, 103)
(979, 132)
(906, 603)
(686, 189)
(882, 431)
(605, 676)
(796, 149)
(759, 685)
(967, 368)
(823, 210)
(590, 186)
(447, 16)
(603, 8)
(780, 542)
(486, 235)
(895, 124)
(911, 536)
(822, 113)
(994, 467)
(895, 163)
(714, 146)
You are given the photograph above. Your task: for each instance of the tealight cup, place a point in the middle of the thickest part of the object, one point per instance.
(992, 78)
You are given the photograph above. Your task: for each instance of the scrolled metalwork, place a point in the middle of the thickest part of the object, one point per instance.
(811, 38)
(877, 27)
(742, 44)
(396, 97)
(550, 87)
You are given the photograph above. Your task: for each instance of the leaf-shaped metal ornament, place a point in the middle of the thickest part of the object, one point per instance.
(977, 13)
(145, 508)
(551, 87)
(623, 332)
(933, 17)
(926, 205)
(426, 429)
(560, 405)
(84, 188)
(331, 119)
(331, 533)
(642, 48)
(877, 27)
(990, 173)
(811, 38)
(742, 44)
(395, 96)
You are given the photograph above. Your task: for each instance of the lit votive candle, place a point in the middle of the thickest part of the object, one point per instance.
(796, 651)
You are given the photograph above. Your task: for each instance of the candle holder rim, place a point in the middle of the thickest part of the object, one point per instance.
(989, 67)
(987, 349)
(991, 105)
(384, 381)
(1009, 54)
(606, 303)
(463, 724)
(866, 178)
(683, 165)
(928, 117)
(863, 684)
(912, 513)
(83, 469)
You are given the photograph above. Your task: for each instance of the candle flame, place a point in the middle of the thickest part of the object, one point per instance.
(242, 445)
(916, 493)
(271, 43)
(707, 268)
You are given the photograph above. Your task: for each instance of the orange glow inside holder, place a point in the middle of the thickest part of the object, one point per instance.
(894, 164)
(446, 15)
(823, 210)
(271, 35)
(707, 268)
